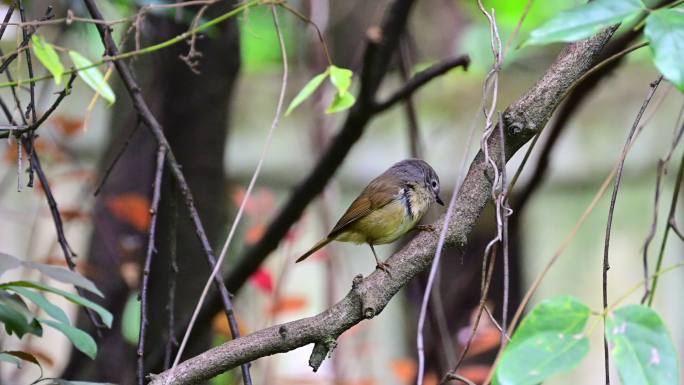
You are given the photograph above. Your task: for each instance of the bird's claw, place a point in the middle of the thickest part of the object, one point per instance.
(430, 228)
(384, 266)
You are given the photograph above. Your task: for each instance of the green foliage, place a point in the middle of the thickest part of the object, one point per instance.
(585, 20)
(259, 46)
(550, 340)
(130, 320)
(341, 79)
(664, 30)
(92, 76)
(18, 319)
(665, 33)
(641, 347)
(47, 55)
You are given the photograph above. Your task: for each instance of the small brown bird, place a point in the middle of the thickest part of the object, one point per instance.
(391, 205)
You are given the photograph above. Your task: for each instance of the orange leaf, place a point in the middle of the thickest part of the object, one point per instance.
(255, 233)
(404, 369)
(72, 214)
(430, 379)
(361, 381)
(286, 304)
(220, 325)
(67, 126)
(132, 208)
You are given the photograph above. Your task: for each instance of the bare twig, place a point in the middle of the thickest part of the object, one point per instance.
(172, 342)
(115, 160)
(151, 250)
(238, 216)
(611, 210)
(415, 145)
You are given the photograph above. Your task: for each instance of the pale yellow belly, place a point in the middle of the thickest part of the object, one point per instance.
(384, 225)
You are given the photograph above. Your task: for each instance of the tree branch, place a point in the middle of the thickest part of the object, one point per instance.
(369, 296)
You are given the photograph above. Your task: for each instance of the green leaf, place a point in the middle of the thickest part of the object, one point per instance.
(641, 347)
(308, 89)
(55, 272)
(51, 309)
(341, 102)
(75, 298)
(81, 340)
(64, 275)
(340, 78)
(92, 77)
(665, 33)
(47, 55)
(130, 320)
(549, 341)
(16, 316)
(19, 355)
(585, 20)
(4, 357)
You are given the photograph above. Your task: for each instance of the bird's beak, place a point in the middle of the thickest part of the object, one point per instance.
(439, 200)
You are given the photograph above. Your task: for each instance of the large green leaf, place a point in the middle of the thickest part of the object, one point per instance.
(81, 340)
(51, 309)
(130, 320)
(92, 77)
(75, 298)
(47, 55)
(549, 341)
(55, 272)
(585, 20)
(310, 87)
(642, 347)
(665, 33)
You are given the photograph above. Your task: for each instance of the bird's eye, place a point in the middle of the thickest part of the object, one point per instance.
(434, 184)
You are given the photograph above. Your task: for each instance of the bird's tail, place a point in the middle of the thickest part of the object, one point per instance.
(315, 248)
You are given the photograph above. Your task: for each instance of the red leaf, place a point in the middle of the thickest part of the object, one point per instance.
(67, 126)
(255, 233)
(263, 280)
(132, 208)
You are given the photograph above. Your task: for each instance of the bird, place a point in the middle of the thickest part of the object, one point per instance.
(390, 206)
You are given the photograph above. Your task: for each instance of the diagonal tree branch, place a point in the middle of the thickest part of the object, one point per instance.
(368, 297)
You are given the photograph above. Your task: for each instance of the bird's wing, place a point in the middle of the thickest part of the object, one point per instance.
(377, 194)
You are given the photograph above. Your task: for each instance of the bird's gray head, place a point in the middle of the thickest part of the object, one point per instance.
(418, 171)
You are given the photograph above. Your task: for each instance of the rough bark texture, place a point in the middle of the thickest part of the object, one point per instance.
(369, 296)
(193, 109)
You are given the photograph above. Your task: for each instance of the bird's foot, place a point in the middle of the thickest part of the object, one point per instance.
(430, 228)
(384, 266)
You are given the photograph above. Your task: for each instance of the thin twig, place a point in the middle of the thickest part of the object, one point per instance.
(611, 210)
(151, 250)
(114, 161)
(661, 168)
(172, 342)
(238, 216)
(415, 145)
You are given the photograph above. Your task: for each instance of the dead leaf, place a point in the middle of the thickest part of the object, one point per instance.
(404, 369)
(132, 208)
(287, 304)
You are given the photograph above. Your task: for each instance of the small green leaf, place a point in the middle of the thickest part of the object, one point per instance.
(16, 316)
(51, 309)
(23, 356)
(105, 315)
(549, 341)
(64, 275)
(47, 55)
(92, 77)
(130, 320)
(340, 78)
(665, 33)
(308, 89)
(341, 102)
(585, 20)
(81, 340)
(4, 357)
(642, 347)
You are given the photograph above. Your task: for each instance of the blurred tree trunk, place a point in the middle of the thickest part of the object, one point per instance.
(193, 109)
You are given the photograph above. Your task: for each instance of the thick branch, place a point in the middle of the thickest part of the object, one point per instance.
(369, 296)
